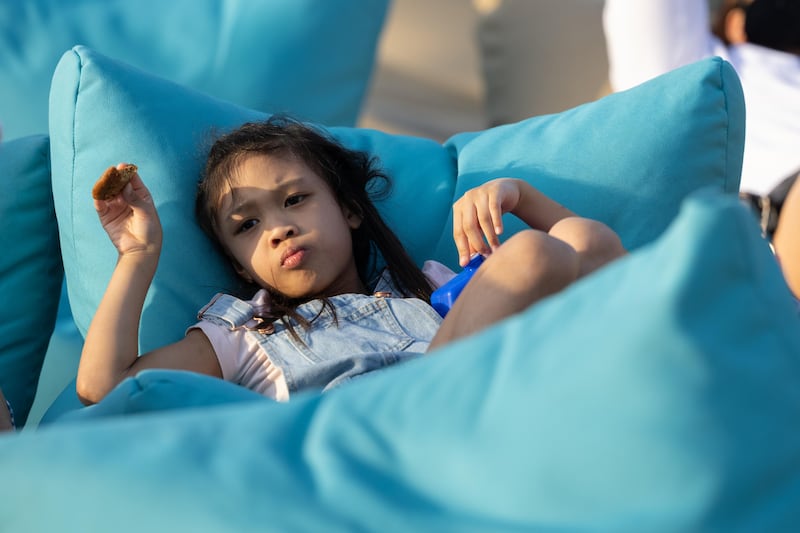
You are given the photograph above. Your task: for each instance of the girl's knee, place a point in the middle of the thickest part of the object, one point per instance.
(595, 243)
(534, 259)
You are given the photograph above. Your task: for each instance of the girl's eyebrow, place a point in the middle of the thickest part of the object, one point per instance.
(248, 203)
(238, 208)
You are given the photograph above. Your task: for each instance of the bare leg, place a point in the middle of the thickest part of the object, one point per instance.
(5, 415)
(787, 239)
(528, 267)
(595, 243)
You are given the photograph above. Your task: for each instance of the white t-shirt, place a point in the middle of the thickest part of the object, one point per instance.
(646, 38)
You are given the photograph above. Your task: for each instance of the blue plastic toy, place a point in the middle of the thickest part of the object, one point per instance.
(445, 296)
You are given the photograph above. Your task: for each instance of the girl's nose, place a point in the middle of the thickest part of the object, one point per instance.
(281, 233)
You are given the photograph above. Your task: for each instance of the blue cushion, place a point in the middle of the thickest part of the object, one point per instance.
(660, 394)
(311, 57)
(30, 267)
(627, 159)
(103, 111)
(163, 128)
(156, 390)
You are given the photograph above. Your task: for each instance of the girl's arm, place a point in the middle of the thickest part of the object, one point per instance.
(111, 350)
(645, 38)
(477, 215)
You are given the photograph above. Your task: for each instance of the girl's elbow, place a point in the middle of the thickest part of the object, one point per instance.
(87, 393)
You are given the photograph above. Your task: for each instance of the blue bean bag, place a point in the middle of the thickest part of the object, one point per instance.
(310, 57)
(659, 393)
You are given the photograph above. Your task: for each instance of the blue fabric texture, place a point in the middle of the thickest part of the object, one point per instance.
(164, 129)
(659, 394)
(151, 390)
(30, 268)
(311, 57)
(626, 159)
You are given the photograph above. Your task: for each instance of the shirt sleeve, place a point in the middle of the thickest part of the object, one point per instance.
(243, 361)
(646, 38)
(437, 273)
(228, 347)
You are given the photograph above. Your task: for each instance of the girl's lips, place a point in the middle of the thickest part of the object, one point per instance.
(292, 257)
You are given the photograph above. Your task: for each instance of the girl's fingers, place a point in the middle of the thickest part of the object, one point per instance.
(101, 206)
(467, 233)
(137, 195)
(477, 223)
(460, 238)
(497, 221)
(490, 219)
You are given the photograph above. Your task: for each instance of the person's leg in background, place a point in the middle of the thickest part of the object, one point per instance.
(786, 239)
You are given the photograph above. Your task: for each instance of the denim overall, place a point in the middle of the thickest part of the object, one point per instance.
(366, 334)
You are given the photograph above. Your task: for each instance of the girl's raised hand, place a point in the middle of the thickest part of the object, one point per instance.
(131, 220)
(477, 216)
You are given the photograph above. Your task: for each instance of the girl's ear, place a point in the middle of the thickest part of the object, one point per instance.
(353, 220)
(240, 271)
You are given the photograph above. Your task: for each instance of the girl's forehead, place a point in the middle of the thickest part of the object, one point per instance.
(269, 169)
(266, 172)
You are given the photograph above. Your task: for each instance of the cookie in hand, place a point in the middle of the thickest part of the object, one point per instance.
(112, 182)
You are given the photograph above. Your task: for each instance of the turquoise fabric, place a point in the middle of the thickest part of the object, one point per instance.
(30, 267)
(660, 394)
(626, 159)
(311, 57)
(164, 128)
(155, 390)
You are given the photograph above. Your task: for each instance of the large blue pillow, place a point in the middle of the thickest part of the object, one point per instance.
(626, 159)
(103, 111)
(30, 267)
(686, 132)
(310, 57)
(157, 390)
(660, 394)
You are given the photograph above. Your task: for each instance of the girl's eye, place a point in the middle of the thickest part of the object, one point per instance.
(295, 199)
(246, 225)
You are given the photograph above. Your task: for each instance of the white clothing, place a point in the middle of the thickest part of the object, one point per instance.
(646, 38)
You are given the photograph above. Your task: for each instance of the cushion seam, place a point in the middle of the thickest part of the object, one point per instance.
(74, 153)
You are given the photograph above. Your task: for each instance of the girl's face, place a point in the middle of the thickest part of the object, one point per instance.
(285, 230)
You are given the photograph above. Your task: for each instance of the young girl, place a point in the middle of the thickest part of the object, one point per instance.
(291, 210)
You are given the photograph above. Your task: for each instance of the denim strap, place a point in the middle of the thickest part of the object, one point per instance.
(233, 311)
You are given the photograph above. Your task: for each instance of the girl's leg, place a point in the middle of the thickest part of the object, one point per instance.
(528, 267)
(595, 243)
(525, 269)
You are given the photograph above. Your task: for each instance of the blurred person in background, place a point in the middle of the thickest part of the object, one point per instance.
(760, 38)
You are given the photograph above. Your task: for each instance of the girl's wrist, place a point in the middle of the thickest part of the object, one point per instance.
(139, 259)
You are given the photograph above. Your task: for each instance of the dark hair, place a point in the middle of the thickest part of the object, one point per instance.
(774, 24)
(354, 177)
(770, 23)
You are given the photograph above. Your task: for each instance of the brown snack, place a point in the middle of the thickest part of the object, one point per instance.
(112, 182)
